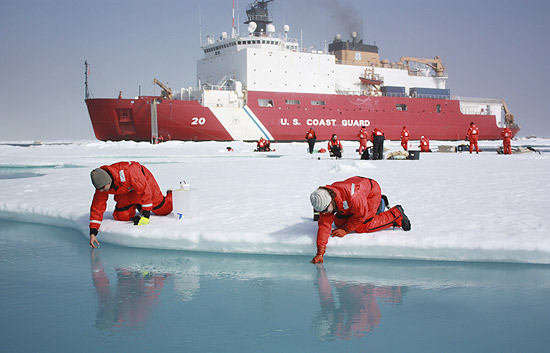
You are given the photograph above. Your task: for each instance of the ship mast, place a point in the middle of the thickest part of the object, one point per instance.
(86, 91)
(257, 12)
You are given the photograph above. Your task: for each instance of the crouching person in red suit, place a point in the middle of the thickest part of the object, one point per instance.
(424, 144)
(353, 205)
(134, 187)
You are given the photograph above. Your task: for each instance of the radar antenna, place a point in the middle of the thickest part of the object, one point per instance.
(257, 12)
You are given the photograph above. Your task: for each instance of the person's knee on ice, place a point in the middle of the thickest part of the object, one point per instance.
(124, 213)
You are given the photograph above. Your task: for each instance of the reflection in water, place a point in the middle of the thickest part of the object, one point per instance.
(355, 296)
(356, 312)
(135, 295)
(159, 300)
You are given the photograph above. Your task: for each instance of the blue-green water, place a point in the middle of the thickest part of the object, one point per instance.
(19, 171)
(59, 296)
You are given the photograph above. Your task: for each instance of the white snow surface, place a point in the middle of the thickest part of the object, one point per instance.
(462, 207)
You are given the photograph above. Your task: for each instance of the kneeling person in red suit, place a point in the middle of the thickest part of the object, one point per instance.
(353, 205)
(134, 187)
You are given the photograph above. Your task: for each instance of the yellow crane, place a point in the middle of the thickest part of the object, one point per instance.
(436, 64)
(166, 92)
(508, 117)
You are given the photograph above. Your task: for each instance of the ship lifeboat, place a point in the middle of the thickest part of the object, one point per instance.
(370, 81)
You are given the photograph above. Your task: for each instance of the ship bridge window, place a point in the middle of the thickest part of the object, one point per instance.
(267, 103)
(292, 101)
(317, 102)
(401, 107)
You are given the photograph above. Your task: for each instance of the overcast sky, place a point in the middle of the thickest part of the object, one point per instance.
(491, 49)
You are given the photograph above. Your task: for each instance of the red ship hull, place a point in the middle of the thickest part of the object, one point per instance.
(437, 119)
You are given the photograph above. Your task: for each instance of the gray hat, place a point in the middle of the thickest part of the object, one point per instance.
(320, 199)
(100, 178)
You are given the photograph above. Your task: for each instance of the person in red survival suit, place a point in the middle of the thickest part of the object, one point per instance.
(404, 138)
(353, 206)
(260, 146)
(134, 188)
(507, 140)
(311, 138)
(378, 138)
(424, 144)
(472, 135)
(363, 137)
(335, 147)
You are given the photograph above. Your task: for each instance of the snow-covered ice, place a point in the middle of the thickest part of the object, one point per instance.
(463, 207)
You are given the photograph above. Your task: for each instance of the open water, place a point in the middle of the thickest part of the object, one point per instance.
(57, 295)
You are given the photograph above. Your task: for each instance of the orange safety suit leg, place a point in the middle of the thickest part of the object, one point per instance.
(507, 147)
(473, 143)
(126, 206)
(362, 145)
(164, 208)
(404, 143)
(389, 218)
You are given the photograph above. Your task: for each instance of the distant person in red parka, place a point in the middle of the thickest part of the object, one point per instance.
(363, 136)
(507, 140)
(261, 145)
(353, 205)
(134, 187)
(472, 135)
(335, 147)
(404, 138)
(424, 144)
(311, 137)
(378, 138)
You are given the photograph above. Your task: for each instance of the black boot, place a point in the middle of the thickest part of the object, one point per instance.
(405, 222)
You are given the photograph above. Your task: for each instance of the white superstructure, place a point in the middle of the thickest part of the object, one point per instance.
(277, 64)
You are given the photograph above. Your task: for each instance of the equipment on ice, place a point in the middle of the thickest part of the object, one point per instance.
(184, 201)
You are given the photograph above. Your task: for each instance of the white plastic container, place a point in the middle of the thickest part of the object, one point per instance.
(184, 201)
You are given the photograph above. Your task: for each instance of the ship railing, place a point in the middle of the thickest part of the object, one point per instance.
(416, 95)
(210, 87)
(478, 100)
(261, 18)
(348, 92)
(352, 62)
(266, 35)
(393, 94)
(432, 96)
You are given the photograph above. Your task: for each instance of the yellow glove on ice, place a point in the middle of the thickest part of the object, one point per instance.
(143, 221)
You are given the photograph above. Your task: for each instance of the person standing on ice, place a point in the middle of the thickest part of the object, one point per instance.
(507, 140)
(311, 138)
(472, 135)
(363, 136)
(378, 138)
(424, 144)
(335, 147)
(353, 205)
(134, 187)
(404, 138)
